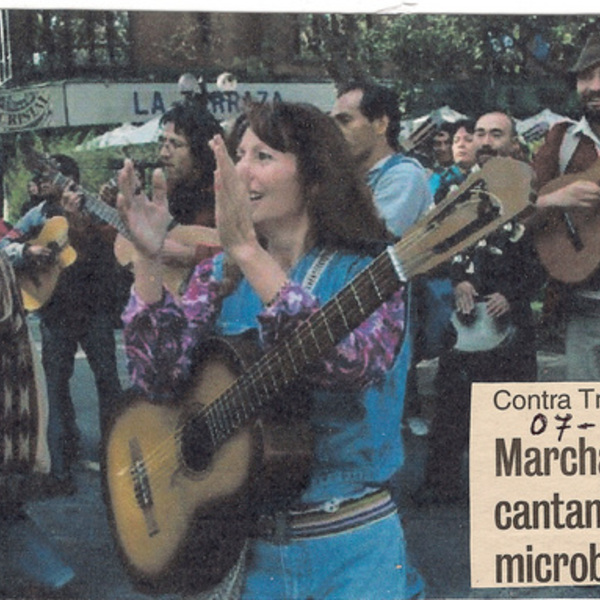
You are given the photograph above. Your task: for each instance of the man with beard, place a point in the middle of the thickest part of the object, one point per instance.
(188, 165)
(572, 148)
(496, 279)
(495, 135)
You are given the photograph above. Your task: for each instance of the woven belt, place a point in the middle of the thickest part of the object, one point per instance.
(336, 518)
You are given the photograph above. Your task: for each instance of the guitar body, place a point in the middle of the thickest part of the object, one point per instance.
(178, 525)
(568, 241)
(37, 287)
(174, 276)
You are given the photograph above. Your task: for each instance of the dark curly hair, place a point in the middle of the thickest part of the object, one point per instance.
(192, 119)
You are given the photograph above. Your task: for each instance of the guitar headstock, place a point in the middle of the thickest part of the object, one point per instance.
(40, 164)
(486, 200)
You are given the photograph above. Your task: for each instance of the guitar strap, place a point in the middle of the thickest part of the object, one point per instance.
(394, 159)
(567, 149)
(316, 269)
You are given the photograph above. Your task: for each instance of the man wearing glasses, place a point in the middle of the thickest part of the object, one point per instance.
(188, 165)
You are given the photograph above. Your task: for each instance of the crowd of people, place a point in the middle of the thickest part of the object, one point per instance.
(300, 202)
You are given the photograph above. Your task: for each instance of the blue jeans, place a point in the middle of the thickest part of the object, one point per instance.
(360, 564)
(59, 346)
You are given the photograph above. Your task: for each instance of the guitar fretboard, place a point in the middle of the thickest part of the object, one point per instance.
(312, 339)
(97, 207)
(486, 200)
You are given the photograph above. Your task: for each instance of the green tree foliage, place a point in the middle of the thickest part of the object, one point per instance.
(413, 51)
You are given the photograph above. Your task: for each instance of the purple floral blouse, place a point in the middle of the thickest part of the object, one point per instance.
(160, 337)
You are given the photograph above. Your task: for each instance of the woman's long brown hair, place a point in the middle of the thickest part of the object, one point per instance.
(340, 206)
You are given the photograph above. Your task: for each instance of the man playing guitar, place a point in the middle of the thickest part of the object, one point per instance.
(188, 164)
(570, 149)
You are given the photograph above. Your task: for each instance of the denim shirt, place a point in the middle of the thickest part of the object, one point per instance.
(356, 420)
(401, 191)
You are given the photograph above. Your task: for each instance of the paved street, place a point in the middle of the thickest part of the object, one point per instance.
(438, 536)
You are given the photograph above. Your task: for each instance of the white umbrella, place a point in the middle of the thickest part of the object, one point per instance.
(126, 135)
(146, 133)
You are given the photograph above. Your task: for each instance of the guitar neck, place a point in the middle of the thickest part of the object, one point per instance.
(424, 132)
(484, 202)
(106, 213)
(282, 365)
(97, 207)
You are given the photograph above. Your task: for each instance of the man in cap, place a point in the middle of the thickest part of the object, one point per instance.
(572, 148)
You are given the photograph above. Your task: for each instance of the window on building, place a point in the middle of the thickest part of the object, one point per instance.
(77, 42)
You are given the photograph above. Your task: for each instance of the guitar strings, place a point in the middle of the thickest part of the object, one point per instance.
(222, 404)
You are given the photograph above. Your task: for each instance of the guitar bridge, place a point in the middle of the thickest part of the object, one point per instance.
(141, 486)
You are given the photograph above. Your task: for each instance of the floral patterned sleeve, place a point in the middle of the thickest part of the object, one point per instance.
(160, 338)
(360, 358)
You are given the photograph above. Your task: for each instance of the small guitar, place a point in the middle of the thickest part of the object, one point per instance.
(39, 282)
(181, 480)
(568, 241)
(191, 235)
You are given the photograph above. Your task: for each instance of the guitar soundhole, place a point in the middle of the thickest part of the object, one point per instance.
(196, 444)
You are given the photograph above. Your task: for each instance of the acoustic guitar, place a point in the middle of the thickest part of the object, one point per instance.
(183, 481)
(568, 241)
(39, 282)
(174, 276)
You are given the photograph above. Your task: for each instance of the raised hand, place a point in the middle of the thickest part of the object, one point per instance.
(147, 220)
(464, 297)
(232, 203)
